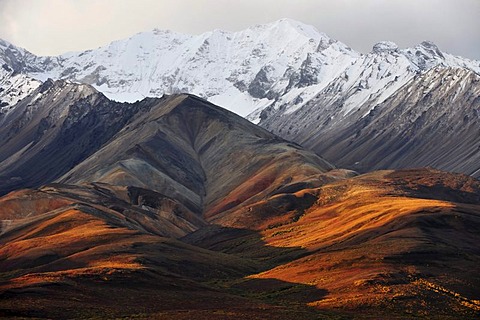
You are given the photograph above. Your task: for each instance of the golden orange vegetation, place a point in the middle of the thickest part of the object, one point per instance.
(393, 243)
(360, 236)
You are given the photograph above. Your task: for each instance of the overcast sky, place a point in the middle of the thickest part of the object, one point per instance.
(50, 27)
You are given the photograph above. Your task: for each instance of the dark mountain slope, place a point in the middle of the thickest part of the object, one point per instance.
(189, 149)
(179, 147)
(55, 128)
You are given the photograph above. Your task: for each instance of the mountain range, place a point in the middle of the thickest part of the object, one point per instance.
(118, 205)
(296, 82)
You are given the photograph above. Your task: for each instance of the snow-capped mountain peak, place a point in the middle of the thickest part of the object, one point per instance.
(286, 27)
(384, 46)
(427, 55)
(242, 70)
(278, 66)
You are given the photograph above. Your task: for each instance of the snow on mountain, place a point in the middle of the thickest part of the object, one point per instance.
(18, 59)
(239, 70)
(367, 81)
(279, 67)
(290, 79)
(434, 120)
(14, 84)
(14, 87)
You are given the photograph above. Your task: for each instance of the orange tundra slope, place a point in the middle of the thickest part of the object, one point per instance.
(93, 255)
(401, 243)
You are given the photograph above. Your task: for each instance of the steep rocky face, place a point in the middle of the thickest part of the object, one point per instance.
(286, 76)
(241, 71)
(13, 88)
(179, 201)
(431, 121)
(53, 129)
(17, 59)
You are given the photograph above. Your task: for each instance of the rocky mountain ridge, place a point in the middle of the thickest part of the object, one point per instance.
(433, 120)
